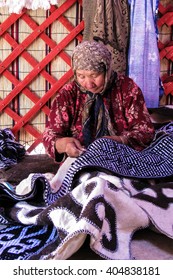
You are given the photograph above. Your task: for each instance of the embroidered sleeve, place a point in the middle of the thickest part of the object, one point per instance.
(140, 130)
(59, 122)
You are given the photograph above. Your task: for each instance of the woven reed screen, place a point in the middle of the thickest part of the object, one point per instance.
(35, 56)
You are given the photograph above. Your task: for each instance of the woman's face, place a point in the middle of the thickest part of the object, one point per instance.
(91, 80)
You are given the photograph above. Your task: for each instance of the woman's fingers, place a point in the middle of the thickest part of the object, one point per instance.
(69, 145)
(74, 149)
(79, 146)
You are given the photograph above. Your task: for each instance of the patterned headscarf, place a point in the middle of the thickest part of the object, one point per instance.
(94, 56)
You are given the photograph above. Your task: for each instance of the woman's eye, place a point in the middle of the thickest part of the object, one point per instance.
(81, 77)
(94, 76)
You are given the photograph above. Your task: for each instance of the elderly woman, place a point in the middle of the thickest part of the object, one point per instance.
(97, 103)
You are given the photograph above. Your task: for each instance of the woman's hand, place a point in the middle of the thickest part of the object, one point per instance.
(69, 145)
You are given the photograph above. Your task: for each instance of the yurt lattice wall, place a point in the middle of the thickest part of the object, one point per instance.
(35, 57)
(165, 44)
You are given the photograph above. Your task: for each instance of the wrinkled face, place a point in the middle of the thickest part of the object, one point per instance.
(91, 80)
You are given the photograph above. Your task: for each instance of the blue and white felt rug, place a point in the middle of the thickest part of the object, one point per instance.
(109, 193)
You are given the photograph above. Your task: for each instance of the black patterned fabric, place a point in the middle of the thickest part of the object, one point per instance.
(10, 150)
(39, 184)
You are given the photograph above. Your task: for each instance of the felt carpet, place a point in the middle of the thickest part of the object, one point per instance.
(108, 200)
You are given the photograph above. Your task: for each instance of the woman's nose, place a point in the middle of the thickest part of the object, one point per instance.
(89, 83)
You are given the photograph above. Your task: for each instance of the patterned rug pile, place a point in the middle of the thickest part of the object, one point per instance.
(109, 193)
(11, 152)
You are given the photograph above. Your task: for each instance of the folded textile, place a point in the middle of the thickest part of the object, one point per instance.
(28, 185)
(104, 154)
(39, 183)
(10, 150)
(107, 194)
(105, 207)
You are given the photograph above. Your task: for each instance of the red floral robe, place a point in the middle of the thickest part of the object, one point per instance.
(124, 102)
